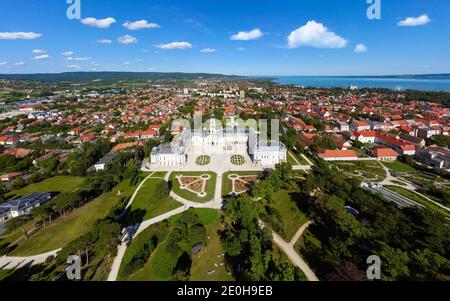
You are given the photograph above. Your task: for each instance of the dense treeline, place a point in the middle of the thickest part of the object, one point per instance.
(99, 246)
(412, 243)
(248, 246)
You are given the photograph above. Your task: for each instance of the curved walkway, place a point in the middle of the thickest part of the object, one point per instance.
(136, 191)
(389, 181)
(12, 263)
(300, 233)
(130, 234)
(288, 249)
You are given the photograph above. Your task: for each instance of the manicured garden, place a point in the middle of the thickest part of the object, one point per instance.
(203, 160)
(227, 183)
(237, 160)
(191, 186)
(370, 170)
(399, 166)
(417, 198)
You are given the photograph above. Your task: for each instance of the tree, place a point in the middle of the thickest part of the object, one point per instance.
(394, 264)
(426, 265)
(347, 271)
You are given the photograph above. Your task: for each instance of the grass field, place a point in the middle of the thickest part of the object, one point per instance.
(159, 174)
(295, 159)
(210, 187)
(417, 198)
(148, 200)
(75, 224)
(399, 166)
(55, 184)
(160, 265)
(291, 215)
(207, 260)
(160, 230)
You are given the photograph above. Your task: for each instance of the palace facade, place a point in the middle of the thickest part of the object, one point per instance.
(211, 140)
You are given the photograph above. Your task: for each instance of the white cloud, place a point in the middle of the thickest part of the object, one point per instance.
(3, 63)
(19, 36)
(104, 41)
(240, 48)
(67, 53)
(71, 58)
(19, 63)
(127, 40)
(152, 69)
(38, 51)
(247, 35)
(360, 48)
(41, 57)
(139, 25)
(99, 23)
(208, 50)
(316, 35)
(175, 45)
(415, 21)
(74, 66)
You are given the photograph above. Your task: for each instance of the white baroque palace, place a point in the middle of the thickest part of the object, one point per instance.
(233, 140)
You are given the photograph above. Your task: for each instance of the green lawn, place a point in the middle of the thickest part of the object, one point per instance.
(160, 230)
(55, 184)
(159, 174)
(148, 200)
(399, 166)
(75, 224)
(205, 262)
(417, 198)
(160, 265)
(291, 216)
(294, 158)
(210, 187)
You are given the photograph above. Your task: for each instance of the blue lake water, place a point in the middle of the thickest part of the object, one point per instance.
(365, 82)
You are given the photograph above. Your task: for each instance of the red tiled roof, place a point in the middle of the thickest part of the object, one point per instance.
(385, 152)
(328, 153)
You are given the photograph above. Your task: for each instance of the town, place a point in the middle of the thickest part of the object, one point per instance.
(121, 157)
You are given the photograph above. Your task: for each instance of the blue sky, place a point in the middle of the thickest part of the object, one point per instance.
(246, 37)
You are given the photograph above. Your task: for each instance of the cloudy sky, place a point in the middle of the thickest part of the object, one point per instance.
(320, 37)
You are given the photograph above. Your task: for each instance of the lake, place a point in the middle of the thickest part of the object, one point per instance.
(365, 82)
